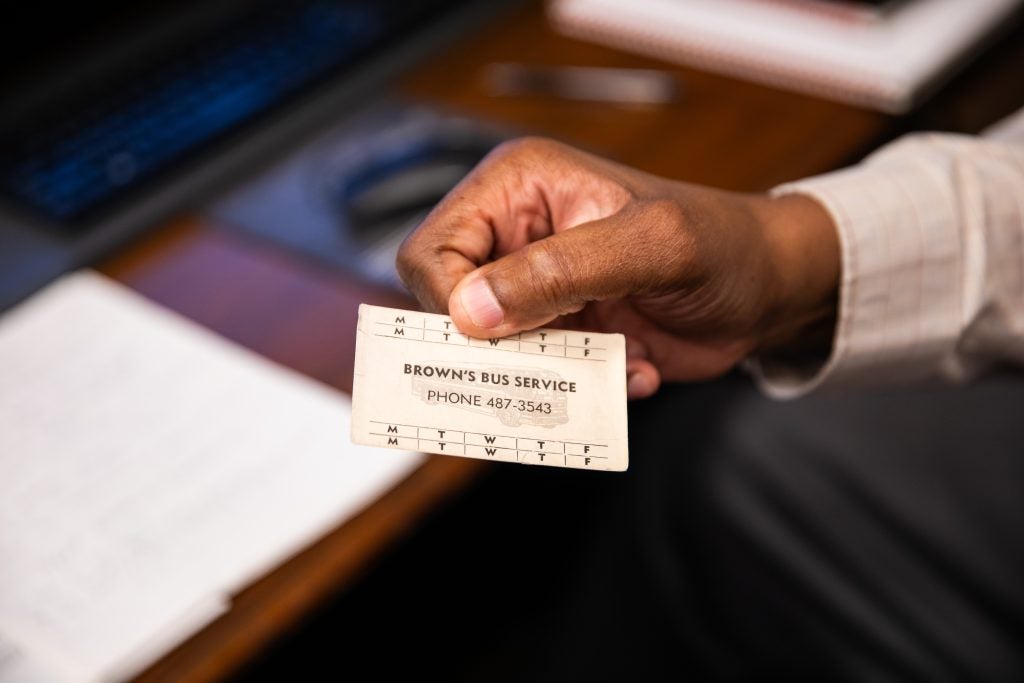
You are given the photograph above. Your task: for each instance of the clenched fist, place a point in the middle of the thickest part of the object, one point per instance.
(696, 278)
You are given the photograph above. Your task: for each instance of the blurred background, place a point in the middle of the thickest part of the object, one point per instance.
(253, 166)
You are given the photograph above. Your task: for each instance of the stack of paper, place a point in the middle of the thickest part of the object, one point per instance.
(889, 64)
(149, 469)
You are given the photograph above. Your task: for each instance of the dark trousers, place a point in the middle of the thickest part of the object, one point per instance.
(870, 536)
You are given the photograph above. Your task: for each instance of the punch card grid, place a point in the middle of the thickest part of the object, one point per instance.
(545, 397)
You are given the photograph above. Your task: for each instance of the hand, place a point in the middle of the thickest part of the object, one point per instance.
(696, 278)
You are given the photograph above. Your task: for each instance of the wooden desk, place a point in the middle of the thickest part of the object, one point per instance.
(724, 132)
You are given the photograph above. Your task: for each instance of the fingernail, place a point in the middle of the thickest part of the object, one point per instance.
(637, 384)
(480, 304)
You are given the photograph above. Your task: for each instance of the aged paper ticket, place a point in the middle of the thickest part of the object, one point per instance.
(544, 397)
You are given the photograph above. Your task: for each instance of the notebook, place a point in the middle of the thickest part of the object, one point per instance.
(888, 64)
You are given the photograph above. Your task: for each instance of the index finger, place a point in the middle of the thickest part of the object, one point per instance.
(523, 191)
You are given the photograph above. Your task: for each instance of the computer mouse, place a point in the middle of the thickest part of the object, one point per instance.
(398, 183)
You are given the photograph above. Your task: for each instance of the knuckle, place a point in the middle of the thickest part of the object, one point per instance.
(552, 270)
(672, 226)
(408, 261)
(666, 214)
(527, 146)
(407, 258)
(411, 261)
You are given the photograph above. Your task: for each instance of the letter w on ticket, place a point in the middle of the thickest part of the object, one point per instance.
(544, 397)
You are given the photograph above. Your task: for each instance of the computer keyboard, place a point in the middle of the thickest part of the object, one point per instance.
(119, 143)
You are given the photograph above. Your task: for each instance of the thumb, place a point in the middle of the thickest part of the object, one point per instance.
(553, 276)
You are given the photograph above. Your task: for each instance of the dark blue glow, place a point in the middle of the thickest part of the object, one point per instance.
(182, 107)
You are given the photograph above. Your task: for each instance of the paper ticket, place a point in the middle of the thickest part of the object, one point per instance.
(544, 397)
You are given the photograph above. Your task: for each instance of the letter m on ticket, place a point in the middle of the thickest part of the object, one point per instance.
(544, 397)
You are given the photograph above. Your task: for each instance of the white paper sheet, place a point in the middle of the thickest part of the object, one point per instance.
(148, 468)
(887, 64)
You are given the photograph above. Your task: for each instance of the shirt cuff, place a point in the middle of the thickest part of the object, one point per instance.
(899, 297)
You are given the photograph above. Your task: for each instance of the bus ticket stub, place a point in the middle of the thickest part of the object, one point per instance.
(543, 397)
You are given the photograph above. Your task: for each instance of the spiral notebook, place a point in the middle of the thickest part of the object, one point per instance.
(888, 64)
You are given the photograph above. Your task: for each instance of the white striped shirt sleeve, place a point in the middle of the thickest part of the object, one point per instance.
(931, 229)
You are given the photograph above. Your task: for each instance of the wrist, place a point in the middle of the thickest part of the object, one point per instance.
(804, 259)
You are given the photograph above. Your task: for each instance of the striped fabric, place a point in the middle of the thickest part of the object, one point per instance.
(931, 229)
